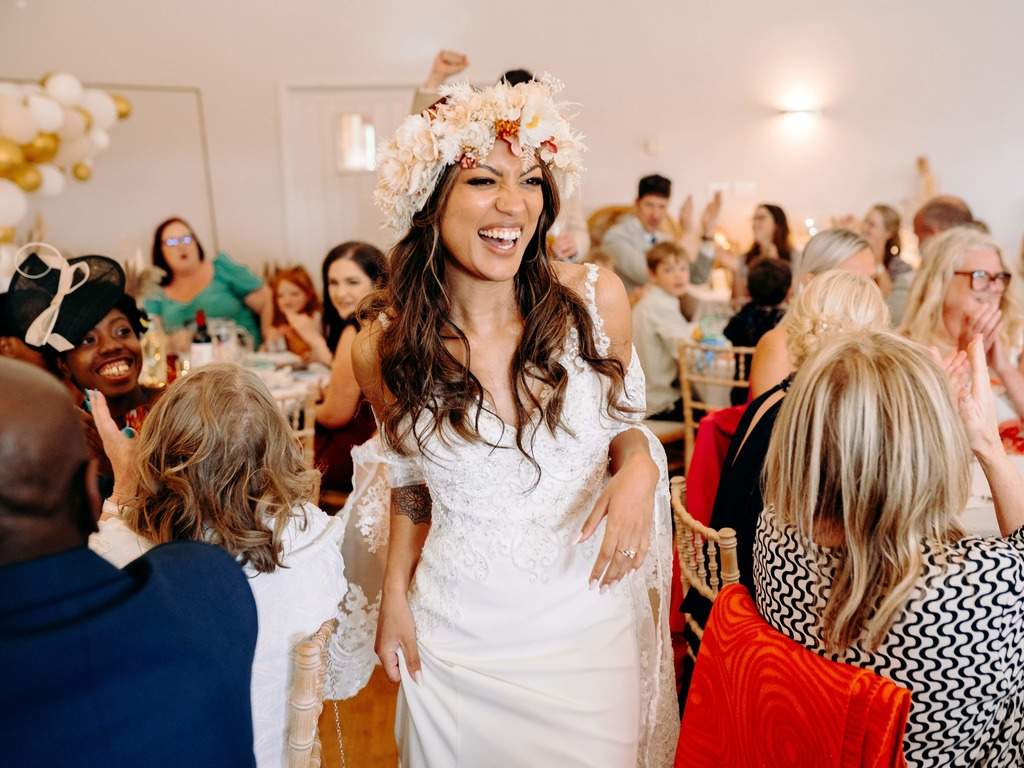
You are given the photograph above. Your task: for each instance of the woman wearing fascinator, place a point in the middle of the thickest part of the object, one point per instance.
(77, 314)
(530, 518)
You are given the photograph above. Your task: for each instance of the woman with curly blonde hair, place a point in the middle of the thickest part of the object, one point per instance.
(962, 289)
(833, 302)
(829, 249)
(217, 462)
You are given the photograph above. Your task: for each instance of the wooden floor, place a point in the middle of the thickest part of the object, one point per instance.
(367, 727)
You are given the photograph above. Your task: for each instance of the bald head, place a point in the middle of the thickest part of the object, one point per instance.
(939, 214)
(43, 455)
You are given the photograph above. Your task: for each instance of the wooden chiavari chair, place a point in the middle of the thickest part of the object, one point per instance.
(707, 557)
(708, 365)
(306, 702)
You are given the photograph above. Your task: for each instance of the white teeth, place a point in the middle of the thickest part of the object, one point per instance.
(115, 370)
(502, 234)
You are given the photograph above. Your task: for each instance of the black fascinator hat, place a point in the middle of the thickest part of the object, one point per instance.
(55, 302)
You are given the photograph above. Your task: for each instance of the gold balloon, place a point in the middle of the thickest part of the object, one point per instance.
(11, 156)
(27, 177)
(42, 149)
(44, 78)
(81, 171)
(87, 115)
(124, 107)
(7, 234)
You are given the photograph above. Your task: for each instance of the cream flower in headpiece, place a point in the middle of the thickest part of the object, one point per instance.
(462, 128)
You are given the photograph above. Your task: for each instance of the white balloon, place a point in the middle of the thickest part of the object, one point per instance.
(53, 180)
(64, 88)
(16, 122)
(13, 203)
(74, 151)
(101, 107)
(48, 113)
(73, 126)
(100, 139)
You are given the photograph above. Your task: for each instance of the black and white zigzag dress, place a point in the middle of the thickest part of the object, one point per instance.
(957, 645)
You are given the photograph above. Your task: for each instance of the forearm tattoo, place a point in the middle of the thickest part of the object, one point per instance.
(413, 501)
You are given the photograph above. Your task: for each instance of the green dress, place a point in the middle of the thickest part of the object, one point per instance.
(224, 297)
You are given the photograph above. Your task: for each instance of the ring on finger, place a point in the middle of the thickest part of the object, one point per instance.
(628, 553)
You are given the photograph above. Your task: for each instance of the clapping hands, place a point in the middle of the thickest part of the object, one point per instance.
(976, 402)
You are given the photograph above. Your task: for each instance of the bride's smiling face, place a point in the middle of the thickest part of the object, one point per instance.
(491, 215)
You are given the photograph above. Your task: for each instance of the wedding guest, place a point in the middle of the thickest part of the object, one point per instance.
(568, 238)
(939, 214)
(768, 282)
(148, 665)
(222, 288)
(629, 239)
(829, 249)
(296, 315)
(771, 235)
(659, 326)
(835, 301)
(960, 290)
(217, 462)
(882, 231)
(94, 339)
(351, 272)
(872, 568)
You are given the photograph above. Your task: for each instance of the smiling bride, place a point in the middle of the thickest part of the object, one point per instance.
(530, 520)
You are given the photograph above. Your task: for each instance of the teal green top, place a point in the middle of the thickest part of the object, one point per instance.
(224, 297)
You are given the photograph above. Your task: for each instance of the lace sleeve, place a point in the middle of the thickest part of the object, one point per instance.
(403, 471)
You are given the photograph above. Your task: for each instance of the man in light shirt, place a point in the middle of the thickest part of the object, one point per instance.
(628, 241)
(659, 326)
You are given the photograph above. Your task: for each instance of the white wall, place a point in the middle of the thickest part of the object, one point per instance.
(698, 83)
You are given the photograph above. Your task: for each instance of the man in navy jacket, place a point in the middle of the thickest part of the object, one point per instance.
(149, 665)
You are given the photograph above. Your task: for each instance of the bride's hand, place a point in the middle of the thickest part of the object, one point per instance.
(396, 629)
(627, 502)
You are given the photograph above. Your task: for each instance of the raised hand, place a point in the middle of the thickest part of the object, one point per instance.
(120, 448)
(446, 64)
(977, 404)
(686, 215)
(709, 218)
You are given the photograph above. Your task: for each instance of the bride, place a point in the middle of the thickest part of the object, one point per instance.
(529, 507)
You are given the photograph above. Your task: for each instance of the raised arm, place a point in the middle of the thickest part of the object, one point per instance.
(410, 524)
(978, 413)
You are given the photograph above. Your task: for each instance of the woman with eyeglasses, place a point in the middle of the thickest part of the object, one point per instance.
(962, 289)
(222, 288)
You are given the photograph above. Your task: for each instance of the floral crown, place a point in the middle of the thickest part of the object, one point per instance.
(462, 128)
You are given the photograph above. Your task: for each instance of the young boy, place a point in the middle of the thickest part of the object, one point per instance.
(768, 281)
(659, 326)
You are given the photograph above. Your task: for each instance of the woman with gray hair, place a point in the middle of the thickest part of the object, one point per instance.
(829, 249)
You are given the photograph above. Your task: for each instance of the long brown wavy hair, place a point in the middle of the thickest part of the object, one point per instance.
(218, 463)
(423, 375)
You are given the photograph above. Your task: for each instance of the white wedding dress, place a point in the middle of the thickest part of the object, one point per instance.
(522, 664)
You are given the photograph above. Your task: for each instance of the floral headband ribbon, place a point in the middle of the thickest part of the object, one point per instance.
(462, 128)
